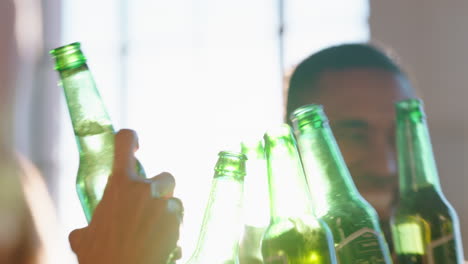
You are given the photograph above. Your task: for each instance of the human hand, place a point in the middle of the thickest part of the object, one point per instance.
(136, 221)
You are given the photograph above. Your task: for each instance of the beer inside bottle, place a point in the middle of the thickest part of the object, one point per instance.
(425, 227)
(92, 125)
(352, 220)
(295, 235)
(218, 240)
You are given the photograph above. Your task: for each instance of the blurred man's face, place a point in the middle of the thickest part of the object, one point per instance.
(359, 105)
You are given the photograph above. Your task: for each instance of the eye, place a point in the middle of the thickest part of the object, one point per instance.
(358, 136)
(392, 138)
(352, 136)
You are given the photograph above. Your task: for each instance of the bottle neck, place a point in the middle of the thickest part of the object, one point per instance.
(86, 108)
(256, 201)
(417, 167)
(327, 174)
(222, 223)
(289, 194)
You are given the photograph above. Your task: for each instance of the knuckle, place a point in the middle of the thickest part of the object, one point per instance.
(140, 188)
(125, 133)
(74, 238)
(176, 207)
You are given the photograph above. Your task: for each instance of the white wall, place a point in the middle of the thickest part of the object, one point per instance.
(431, 39)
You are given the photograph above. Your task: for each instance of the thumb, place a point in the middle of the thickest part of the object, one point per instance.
(75, 238)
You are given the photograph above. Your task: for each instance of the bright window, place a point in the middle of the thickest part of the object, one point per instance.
(193, 78)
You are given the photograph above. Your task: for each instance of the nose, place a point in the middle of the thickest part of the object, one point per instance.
(382, 162)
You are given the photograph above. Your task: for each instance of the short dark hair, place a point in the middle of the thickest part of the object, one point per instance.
(335, 58)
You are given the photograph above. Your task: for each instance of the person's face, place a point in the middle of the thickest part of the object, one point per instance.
(359, 105)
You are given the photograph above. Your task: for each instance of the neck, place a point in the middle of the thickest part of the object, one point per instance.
(219, 237)
(326, 171)
(417, 167)
(289, 194)
(87, 110)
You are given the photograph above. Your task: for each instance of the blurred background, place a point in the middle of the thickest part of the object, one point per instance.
(194, 77)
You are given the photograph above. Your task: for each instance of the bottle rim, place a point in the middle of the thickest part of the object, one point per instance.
(411, 108)
(311, 113)
(236, 159)
(68, 56)
(409, 104)
(253, 148)
(72, 47)
(226, 153)
(282, 130)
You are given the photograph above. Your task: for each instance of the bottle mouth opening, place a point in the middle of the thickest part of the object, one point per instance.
(283, 130)
(232, 154)
(409, 105)
(68, 56)
(66, 49)
(253, 148)
(410, 108)
(230, 164)
(309, 114)
(280, 136)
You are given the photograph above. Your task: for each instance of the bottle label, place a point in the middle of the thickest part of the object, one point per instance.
(361, 247)
(442, 249)
(277, 260)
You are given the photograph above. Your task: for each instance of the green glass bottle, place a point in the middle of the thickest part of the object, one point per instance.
(295, 235)
(92, 126)
(218, 241)
(352, 220)
(424, 225)
(256, 205)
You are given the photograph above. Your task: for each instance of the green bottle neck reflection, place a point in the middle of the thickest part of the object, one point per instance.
(327, 174)
(417, 168)
(289, 194)
(222, 223)
(256, 200)
(253, 150)
(87, 111)
(91, 123)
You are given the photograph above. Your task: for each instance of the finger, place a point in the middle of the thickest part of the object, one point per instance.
(159, 228)
(176, 207)
(126, 143)
(162, 185)
(165, 236)
(176, 254)
(160, 215)
(75, 237)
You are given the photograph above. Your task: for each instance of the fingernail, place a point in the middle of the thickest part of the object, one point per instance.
(159, 190)
(162, 186)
